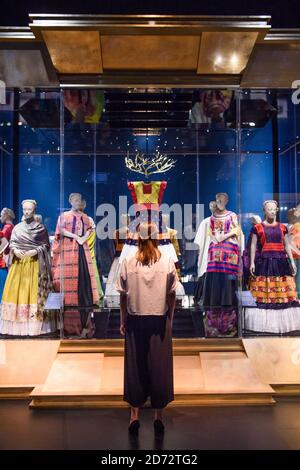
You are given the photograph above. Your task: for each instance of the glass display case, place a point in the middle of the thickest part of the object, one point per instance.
(85, 160)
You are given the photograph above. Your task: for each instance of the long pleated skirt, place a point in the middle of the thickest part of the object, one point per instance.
(78, 319)
(148, 368)
(19, 309)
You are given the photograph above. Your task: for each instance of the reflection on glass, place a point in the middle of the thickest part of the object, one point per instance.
(201, 163)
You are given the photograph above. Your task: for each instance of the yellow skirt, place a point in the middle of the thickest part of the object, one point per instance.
(19, 310)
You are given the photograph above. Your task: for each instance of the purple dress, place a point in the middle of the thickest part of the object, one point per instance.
(273, 286)
(221, 278)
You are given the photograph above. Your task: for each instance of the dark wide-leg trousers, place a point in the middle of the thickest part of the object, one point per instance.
(148, 368)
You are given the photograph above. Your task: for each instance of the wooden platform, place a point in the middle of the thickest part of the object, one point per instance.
(206, 372)
(203, 379)
(187, 346)
(89, 373)
(277, 362)
(24, 364)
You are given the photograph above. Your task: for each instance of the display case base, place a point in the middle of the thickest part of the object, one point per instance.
(24, 363)
(277, 362)
(206, 373)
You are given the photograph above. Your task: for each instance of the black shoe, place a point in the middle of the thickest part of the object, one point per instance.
(159, 427)
(133, 427)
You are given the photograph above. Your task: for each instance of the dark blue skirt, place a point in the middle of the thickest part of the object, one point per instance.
(272, 267)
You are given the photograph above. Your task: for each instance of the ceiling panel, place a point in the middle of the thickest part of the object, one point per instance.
(153, 49)
(225, 52)
(25, 68)
(74, 51)
(150, 52)
(273, 66)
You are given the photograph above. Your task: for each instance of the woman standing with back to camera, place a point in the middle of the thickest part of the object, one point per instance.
(147, 285)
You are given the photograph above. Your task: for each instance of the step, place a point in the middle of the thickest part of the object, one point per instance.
(277, 361)
(207, 378)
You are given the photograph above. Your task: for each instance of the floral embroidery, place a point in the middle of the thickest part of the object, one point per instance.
(21, 312)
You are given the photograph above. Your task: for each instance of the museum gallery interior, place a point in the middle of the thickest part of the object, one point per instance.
(110, 121)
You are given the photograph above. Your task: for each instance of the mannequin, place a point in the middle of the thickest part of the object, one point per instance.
(202, 239)
(272, 283)
(180, 292)
(7, 217)
(72, 261)
(92, 242)
(29, 278)
(220, 283)
(294, 240)
(120, 235)
(173, 237)
(255, 219)
(147, 198)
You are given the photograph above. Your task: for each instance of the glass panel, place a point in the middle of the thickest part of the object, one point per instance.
(219, 235)
(269, 173)
(29, 127)
(242, 143)
(195, 129)
(7, 150)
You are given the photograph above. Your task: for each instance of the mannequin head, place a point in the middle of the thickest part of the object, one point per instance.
(255, 219)
(291, 218)
(212, 206)
(28, 206)
(221, 201)
(297, 211)
(75, 199)
(270, 208)
(7, 215)
(147, 230)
